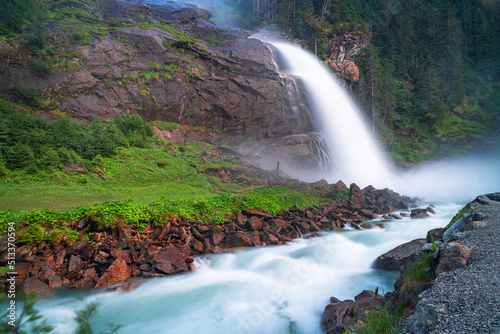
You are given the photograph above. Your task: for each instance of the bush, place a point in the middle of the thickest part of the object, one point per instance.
(28, 94)
(19, 156)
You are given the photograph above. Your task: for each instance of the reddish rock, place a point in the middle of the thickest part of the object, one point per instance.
(75, 265)
(240, 219)
(196, 233)
(172, 259)
(452, 256)
(197, 245)
(254, 224)
(242, 239)
(304, 227)
(54, 281)
(278, 224)
(101, 257)
(85, 282)
(91, 274)
(23, 270)
(125, 233)
(24, 251)
(256, 213)
(217, 237)
(87, 252)
(33, 284)
(127, 287)
(117, 272)
(123, 254)
(75, 168)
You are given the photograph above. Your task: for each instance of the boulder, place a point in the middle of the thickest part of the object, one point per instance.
(456, 227)
(75, 265)
(33, 284)
(117, 272)
(394, 259)
(452, 256)
(172, 259)
(75, 168)
(339, 315)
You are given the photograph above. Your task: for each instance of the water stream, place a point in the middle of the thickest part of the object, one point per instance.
(281, 289)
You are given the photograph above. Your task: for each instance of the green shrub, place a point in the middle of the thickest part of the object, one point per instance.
(34, 233)
(42, 67)
(155, 66)
(19, 156)
(28, 94)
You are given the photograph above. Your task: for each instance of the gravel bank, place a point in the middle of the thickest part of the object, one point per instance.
(466, 300)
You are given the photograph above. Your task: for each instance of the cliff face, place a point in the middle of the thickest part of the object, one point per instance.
(189, 71)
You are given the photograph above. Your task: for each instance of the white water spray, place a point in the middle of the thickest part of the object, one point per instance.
(353, 148)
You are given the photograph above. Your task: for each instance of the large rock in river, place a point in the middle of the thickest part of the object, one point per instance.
(394, 259)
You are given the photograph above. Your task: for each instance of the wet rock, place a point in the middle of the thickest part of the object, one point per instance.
(54, 281)
(339, 315)
(85, 282)
(33, 284)
(117, 272)
(254, 224)
(127, 287)
(394, 259)
(172, 259)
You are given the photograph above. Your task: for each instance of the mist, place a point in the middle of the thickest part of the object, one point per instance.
(224, 12)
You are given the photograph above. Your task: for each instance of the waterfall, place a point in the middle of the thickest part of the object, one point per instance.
(351, 144)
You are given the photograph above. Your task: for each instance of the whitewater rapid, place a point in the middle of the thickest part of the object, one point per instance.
(279, 289)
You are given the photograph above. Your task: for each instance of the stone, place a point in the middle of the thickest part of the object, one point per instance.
(91, 274)
(256, 213)
(123, 254)
(117, 272)
(395, 258)
(85, 282)
(172, 259)
(54, 281)
(125, 233)
(340, 315)
(452, 256)
(217, 237)
(127, 287)
(75, 265)
(254, 224)
(33, 284)
(75, 168)
(242, 239)
(456, 227)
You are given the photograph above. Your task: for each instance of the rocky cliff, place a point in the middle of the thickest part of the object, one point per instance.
(165, 62)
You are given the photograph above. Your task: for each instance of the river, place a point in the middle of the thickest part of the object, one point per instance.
(279, 289)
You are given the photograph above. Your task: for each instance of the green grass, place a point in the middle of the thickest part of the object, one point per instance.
(380, 320)
(142, 185)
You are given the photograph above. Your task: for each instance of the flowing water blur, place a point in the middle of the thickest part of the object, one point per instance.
(279, 289)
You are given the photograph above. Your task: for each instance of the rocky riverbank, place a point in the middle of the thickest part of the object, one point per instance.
(124, 255)
(456, 290)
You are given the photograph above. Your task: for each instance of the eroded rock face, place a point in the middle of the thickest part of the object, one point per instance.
(342, 51)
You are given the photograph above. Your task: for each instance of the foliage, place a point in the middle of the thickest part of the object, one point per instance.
(380, 320)
(28, 321)
(418, 271)
(27, 94)
(459, 215)
(26, 140)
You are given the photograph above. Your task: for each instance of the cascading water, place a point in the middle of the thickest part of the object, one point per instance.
(351, 144)
(264, 290)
